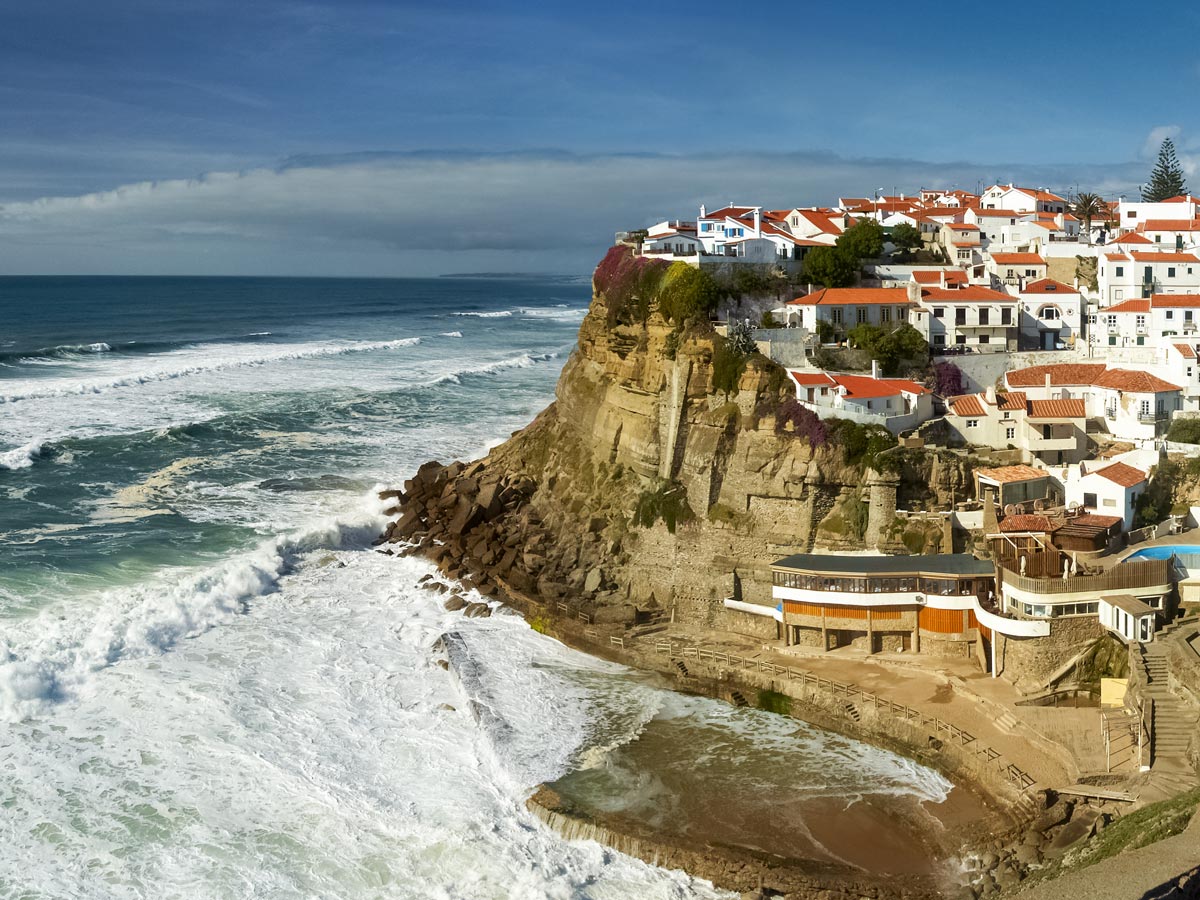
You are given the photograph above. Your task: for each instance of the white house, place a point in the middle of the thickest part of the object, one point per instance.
(971, 317)
(1168, 234)
(1135, 405)
(1049, 431)
(1110, 488)
(895, 403)
(1140, 273)
(843, 308)
(1015, 269)
(1000, 196)
(1051, 314)
(1142, 322)
(1132, 213)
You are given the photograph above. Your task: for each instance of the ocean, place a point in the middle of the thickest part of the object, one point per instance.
(212, 686)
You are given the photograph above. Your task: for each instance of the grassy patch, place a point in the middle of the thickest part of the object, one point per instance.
(668, 501)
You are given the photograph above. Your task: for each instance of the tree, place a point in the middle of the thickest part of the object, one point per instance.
(830, 267)
(906, 237)
(1166, 179)
(890, 348)
(862, 240)
(687, 293)
(1087, 207)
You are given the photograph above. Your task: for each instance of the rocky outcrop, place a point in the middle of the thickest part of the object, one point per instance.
(644, 487)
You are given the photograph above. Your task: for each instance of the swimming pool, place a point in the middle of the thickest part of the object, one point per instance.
(1165, 551)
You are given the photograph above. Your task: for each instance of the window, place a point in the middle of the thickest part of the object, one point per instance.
(885, 314)
(985, 339)
(1112, 321)
(1050, 312)
(1089, 500)
(1158, 240)
(960, 316)
(1120, 271)
(706, 226)
(1170, 271)
(1145, 407)
(1006, 316)
(1009, 274)
(1010, 433)
(1140, 321)
(1170, 313)
(1110, 503)
(861, 315)
(983, 316)
(1187, 315)
(960, 339)
(1030, 273)
(835, 316)
(939, 340)
(972, 423)
(964, 254)
(939, 312)
(1132, 214)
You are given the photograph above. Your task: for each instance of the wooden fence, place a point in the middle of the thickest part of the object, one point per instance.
(852, 692)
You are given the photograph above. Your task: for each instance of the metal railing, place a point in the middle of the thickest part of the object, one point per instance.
(849, 692)
(1135, 574)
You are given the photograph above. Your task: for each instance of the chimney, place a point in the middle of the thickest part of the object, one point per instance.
(758, 221)
(990, 395)
(1047, 384)
(875, 368)
(702, 212)
(914, 292)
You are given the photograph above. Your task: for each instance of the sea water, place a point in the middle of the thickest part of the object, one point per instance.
(210, 684)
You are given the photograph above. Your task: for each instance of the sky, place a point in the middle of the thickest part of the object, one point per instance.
(395, 138)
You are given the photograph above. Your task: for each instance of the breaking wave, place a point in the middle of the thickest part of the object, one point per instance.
(282, 355)
(21, 457)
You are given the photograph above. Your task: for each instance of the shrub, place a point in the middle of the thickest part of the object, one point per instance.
(805, 423)
(861, 444)
(830, 266)
(856, 513)
(629, 283)
(949, 380)
(1184, 431)
(668, 501)
(686, 293)
(890, 347)
(862, 240)
(728, 366)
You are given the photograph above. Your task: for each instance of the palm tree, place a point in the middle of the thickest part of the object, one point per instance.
(1088, 207)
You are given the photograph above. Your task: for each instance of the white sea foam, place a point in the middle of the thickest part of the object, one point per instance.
(182, 364)
(454, 334)
(497, 314)
(56, 656)
(521, 361)
(21, 457)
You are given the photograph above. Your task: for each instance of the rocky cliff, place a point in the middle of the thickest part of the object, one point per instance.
(642, 486)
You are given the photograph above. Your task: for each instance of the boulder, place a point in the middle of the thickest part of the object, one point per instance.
(455, 603)
(592, 582)
(477, 611)
(1058, 813)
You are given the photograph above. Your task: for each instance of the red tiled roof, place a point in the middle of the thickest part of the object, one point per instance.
(728, 211)
(853, 296)
(1135, 381)
(1132, 238)
(1048, 286)
(1170, 225)
(1126, 476)
(1057, 409)
(1007, 474)
(1136, 305)
(962, 226)
(1175, 301)
(1185, 350)
(952, 276)
(1018, 259)
(1011, 400)
(972, 293)
(810, 379)
(998, 213)
(1060, 373)
(864, 386)
(1151, 257)
(965, 405)
(1096, 520)
(1028, 523)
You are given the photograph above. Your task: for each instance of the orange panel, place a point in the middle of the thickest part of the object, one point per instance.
(941, 621)
(840, 612)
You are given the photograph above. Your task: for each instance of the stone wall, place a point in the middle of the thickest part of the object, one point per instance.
(1030, 662)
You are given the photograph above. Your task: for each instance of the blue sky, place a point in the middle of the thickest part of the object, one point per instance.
(394, 138)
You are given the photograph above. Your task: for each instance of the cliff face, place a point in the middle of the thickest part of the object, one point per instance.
(577, 504)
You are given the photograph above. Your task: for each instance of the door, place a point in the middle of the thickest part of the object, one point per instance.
(1048, 340)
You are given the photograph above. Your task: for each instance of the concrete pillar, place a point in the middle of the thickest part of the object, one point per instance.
(824, 632)
(787, 632)
(870, 633)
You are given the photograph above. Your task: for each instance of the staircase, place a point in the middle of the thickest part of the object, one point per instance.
(652, 625)
(1174, 721)
(683, 669)
(739, 699)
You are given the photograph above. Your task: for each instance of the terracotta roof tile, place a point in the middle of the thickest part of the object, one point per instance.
(1151, 257)
(1122, 474)
(1048, 286)
(1018, 259)
(1028, 523)
(1012, 400)
(1185, 350)
(853, 296)
(1060, 373)
(864, 386)
(1135, 381)
(971, 293)
(1095, 520)
(1057, 409)
(1132, 238)
(1136, 305)
(965, 405)
(1175, 301)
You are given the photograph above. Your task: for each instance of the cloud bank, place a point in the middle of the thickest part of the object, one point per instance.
(431, 213)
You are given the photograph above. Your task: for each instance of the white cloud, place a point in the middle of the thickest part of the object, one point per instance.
(1155, 138)
(425, 213)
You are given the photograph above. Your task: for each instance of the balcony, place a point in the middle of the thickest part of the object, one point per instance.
(1053, 323)
(1189, 326)
(1153, 418)
(1062, 437)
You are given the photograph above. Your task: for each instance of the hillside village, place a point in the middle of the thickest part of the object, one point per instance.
(1061, 339)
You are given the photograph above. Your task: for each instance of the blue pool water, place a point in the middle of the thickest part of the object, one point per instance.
(1166, 551)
